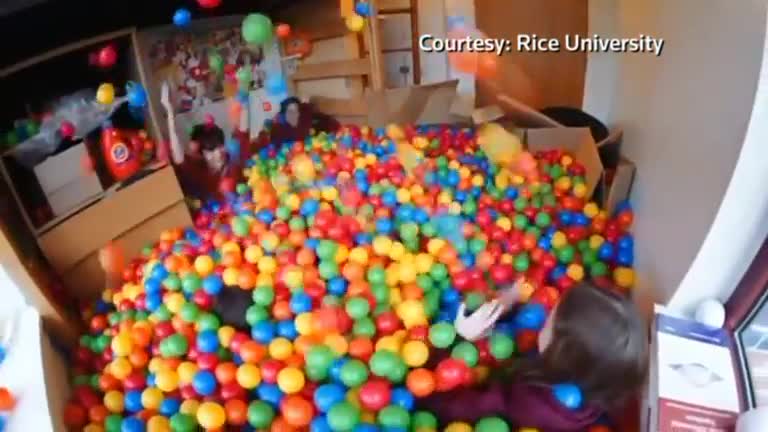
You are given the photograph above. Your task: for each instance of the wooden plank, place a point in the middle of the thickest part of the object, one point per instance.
(63, 50)
(415, 41)
(387, 6)
(346, 8)
(332, 69)
(352, 48)
(374, 45)
(340, 107)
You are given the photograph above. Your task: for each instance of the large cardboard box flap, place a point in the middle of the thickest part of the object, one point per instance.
(426, 104)
(78, 236)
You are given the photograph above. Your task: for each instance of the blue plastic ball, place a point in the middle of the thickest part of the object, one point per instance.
(606, 251)
(287, 329)
(169, 406)
(212, 284)
(158, 272)
(384, 226)
(625, 257)
(389, 198)
(309, 207)
(275, 85)
(362, 8)
(300, 303)
(204, 383)
(402, 397)
(365, 427)
(335, 370)
(327, 395)
(626, 242)
(320, 424)
(182, 17)
(265, 216)
(132, 401)
(207, 341)
(263, 331)
(337, 286)
(270, 393)
(132, 424)
(568, 394)
(531, 316)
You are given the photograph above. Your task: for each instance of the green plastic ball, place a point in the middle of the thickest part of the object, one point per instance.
(442, 335)
(501, 346)
(353, 373)
(260, 414)
(467, 352)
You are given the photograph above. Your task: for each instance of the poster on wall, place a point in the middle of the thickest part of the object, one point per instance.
(207, 66)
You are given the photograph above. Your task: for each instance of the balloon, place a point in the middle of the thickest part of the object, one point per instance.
(283, 31)
(105, 95)
(275, 85)
(182, 17)
(257, 29)
(355, 22)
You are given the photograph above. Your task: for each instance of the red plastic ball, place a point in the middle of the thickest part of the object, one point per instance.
(209, 4)
(375, 395)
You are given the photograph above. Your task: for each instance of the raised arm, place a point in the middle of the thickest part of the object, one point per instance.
(177, 151)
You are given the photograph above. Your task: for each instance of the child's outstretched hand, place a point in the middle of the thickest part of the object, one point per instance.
(479, 324)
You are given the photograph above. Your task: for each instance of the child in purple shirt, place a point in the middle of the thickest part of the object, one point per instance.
(594, 338)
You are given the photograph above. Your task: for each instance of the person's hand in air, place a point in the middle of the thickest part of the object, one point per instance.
(479, 323)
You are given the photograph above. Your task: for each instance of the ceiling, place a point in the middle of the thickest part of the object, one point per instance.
(31, 27)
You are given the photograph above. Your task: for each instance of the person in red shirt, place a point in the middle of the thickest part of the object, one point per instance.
(297, 120)
(211, 165)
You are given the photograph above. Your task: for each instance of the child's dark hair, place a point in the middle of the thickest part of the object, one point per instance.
(210, 137)
(599, 342)
(288, 102)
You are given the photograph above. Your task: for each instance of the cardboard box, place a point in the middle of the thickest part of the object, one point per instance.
(63, 181)
(133, 216)
(539, 132)
(692, 384)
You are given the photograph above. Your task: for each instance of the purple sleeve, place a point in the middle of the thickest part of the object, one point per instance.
(523, 405)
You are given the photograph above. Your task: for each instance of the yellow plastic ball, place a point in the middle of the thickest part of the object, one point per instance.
(507, 258)
(370, 159)
(444, 198)
(230, 276)
(392, 274)
(303, 323)
(412, 313)
(151, 398)
(502, 180)
(359, 163)
(186, 372)
(211, 415)
(504, 223)
(566, 161)
(358, 255)
(382, 245)
(280, 348)
(591, 210)
(624, 277)
(267, 264)
(388, 343)
(329, 193)
(293, 202)
(105, 94)
(563, 183)
(264, 279)
(403, 195)
(424, 262)
(394, 132)
(230, 247)
(93, 427)
(269, 240)
(595, 241)
(575, 272)
(478, 180)
(293, 278)
(248, 376)
(415, 353)
(253, 253)
(120, 368)
(290, 380)
(397, 251)
(189, 407)
(435, 245)
(337, 343)
(113, 401)
(454, 208)
(167, 380)
(559, 239)
(158, 423)
(156, 364)
(122, 345)
(454, 165)
(342, 254)
(458, 427)
(226, 333)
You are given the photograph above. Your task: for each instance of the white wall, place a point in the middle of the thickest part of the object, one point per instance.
(686, 116)
(12, 298)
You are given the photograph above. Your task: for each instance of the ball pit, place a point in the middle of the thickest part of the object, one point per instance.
(356, 270)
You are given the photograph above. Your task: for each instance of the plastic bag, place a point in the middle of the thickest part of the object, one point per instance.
(81, 109)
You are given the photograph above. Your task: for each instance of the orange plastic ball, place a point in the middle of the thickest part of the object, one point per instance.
(252, 352)
(296, 411)
(421, 382)
(237, 412)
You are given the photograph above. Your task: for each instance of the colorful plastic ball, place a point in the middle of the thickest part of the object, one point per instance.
(209, 4)
(467, 352)
(442, 335)
(204, 383)
(328, 395)
(132, 424)
(211, 415)
(355, 22)
(290, 380)
(568, 394)
(248, 376)
(257, 29)
(501, 346)
(105, 94)
(343, 417)
(531, 316)
(415, 353)
(404, 398)
(353, 373)
(375, 395)
(491, 424)
(182, 17)
(363, 8)
(394, 416)
(624, 277)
